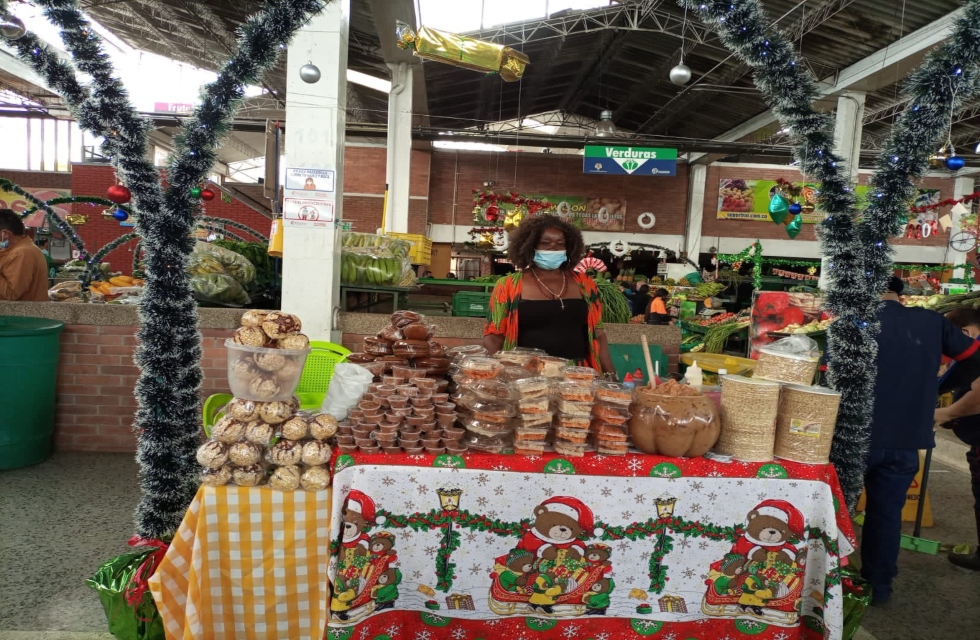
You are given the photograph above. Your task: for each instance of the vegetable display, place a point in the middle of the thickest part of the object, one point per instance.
(374, 260)
(256, 253)
(615, 306)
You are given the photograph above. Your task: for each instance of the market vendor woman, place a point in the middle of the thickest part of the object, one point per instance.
(544, 304)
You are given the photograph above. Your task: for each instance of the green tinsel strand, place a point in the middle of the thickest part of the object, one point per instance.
(112, 246)
(235, 225)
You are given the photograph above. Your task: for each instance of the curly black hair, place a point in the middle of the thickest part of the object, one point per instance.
(525, 238)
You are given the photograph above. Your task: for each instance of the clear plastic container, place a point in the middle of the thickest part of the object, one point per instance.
(277, 379)
(613, 393)
(581, 375)
(480, 368)
(550, 366)
(518, 357)
(528, 388)
(573, 392)
(567, 408)
(465, 351)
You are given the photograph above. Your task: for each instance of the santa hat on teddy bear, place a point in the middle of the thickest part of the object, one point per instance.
(574, 508)
(784, 512)
(359, 502)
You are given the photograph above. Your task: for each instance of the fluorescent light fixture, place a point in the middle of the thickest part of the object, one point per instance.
(363, 79)
(468, 146)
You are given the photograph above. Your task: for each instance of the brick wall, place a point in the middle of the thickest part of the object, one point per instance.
(712, 227)
(96, 378)
(39, 179)
(554, 174)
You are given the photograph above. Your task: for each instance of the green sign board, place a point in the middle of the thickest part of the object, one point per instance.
(630, 161)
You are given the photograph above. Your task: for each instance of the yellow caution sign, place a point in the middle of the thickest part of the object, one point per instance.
(911, 500)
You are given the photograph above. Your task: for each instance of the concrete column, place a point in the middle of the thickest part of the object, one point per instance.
(961, 187)
(315, 126)
(398, 174)
(847, 144)
(697, 180)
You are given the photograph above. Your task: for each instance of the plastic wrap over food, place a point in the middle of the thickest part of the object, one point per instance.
(460, 51)
(674, 420)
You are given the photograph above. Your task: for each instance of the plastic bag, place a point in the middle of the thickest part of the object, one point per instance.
(65, 290)
(210, 258)
(349, 383)
(374, 260)
(792, 360)
(219, 288)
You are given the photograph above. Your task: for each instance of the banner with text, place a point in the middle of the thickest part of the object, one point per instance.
(587, 213)
(749, 199)
(630, 161)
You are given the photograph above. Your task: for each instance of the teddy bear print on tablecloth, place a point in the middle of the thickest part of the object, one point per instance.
(366, 581)
(553, 569)
(762, 576)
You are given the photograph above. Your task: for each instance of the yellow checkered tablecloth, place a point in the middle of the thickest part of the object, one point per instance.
(247, 563)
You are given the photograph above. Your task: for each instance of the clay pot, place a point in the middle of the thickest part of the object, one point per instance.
(675, 426)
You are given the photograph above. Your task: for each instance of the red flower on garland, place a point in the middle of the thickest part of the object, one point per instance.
(493, 213)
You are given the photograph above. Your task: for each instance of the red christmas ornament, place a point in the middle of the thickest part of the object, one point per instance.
(493, 213)
(119, 194)
(207, 195)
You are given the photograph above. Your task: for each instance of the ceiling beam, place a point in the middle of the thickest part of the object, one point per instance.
(869, 74)
(687, 101)
(609, 45)
(537, 77)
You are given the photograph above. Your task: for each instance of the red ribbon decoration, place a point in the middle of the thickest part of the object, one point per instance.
(948, 202)
(138, 584)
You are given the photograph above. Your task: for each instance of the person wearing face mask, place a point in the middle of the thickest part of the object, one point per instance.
(23, 268)
(546, 305)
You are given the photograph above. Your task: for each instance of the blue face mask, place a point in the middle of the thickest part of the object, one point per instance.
(4, 243)
(549, 260)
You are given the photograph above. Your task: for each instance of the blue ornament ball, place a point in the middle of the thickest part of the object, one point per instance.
(955, 163)
(795, 208)
(120, 215)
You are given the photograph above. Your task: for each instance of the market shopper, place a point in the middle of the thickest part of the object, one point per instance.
(657, 310)
(910, 345)
(545, 304)
(963, 417)
(23, 268)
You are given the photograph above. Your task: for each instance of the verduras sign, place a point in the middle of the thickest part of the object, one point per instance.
(630, 161)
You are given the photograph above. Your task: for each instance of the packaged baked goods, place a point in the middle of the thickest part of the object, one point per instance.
(611, 447)
(254, 318)
(216, 477)
(228, 430)
(569, 391)
(259, 433)
(528, 388)
(249, 476)
(580, 375)
(315, 479)
(294, 342)
(534, 420)
(572, 422)
(212, 455)
(323, 426)
(243, 454)
(480, 368)
(548, 366)
(793, 360)
(487, 443)
(518, 357)
(245, 410)
(411, 349)
(568, 408)
(611, 413)
(532, 405)
(285, 478)
(613, 393)
(315, 453)
(529, 448)
(673, 420)
(574, 436)
(256, 372)
(296, 428)
(275, 412)
(286, 452)
(378, 347)
(465, 351)
(488, 428)
(278, 325)
(569, 449)
(515, 374)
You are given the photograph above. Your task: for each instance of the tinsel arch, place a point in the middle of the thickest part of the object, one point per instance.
(168, 354)
(858, 251)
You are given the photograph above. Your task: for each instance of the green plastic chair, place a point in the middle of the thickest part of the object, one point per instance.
(312, 388)
(317, 372)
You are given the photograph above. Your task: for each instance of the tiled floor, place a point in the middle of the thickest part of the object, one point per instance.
(61, 519)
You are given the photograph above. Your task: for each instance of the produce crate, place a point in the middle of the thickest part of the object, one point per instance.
(421, 252)
(471, 304)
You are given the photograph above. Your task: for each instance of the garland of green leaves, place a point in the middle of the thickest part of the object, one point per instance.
(731, 258)
(210, 226)
(112, 246)
(751, 253)
(640, 530)
(80, 200)
(169, 342)
(235, 225)
(63, 226)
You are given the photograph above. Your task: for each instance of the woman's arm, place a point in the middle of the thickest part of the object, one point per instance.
(493, 343)
(605, 359)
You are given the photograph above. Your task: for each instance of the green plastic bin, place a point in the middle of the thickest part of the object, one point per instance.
(29, 351)
(471, 304)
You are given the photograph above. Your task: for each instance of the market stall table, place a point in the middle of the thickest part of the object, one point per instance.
(613, 547)
(247, 562)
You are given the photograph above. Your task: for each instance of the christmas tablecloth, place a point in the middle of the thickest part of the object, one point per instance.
(247, 563)
(541, 547)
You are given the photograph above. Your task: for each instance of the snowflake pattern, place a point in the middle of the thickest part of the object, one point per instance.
(634, 465)
(702, 545)
(761, 495)
(645, 625)
(488, 540)
(716, 474)
(394, 630)
(602, 636)
(583, 481)
(623, 545)
(423, 489)
(458, 634)
(476, 570)
(482, 479)
(641, 499)
(645, 555)
(430, 551)
(740, 482)
(751, 625)
(424, 634)
(364, 633)
(816, 496)
(482, 501)
(471, 537)
(782, 635)
(345, 489)
(549, 492)
(417, 458)
(492, 515)
(794, 484)
(387, 481)
(712, 496)
(413, 479)
(685, 543)
(362, 471)
(571, 631)
(501, 467)
(696, 507)
(697, 486)
(627, 515)
(409, 505)
(417, 574)
(606, 492)
(689, 573)
(493, 623)
(629, 489)
(670, 636)
(498, 490)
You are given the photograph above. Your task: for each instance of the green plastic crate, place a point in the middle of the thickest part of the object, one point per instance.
(471, 304)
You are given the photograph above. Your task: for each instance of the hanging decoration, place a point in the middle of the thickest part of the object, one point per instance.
(196, 193)
(751, 253)
(590, 262)
(646, 220)
(643, 246)
(619, 248)
(119, 194)
(461, 51)
(504, 209)
(513, 219)
(948, 202)
(207, 195)
(795, 209)
(778, 208)
(309, 73)
(120, 215)
(795, 226)
(12, 27)
(954, 163)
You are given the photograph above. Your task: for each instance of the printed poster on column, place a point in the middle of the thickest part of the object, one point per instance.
(588, 213)
(307, 212)
(749, 199)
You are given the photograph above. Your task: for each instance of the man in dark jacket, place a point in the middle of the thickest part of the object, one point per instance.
(963, 417)
(911, 344)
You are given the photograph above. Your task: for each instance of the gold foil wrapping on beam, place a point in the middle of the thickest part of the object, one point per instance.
(460, 51)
